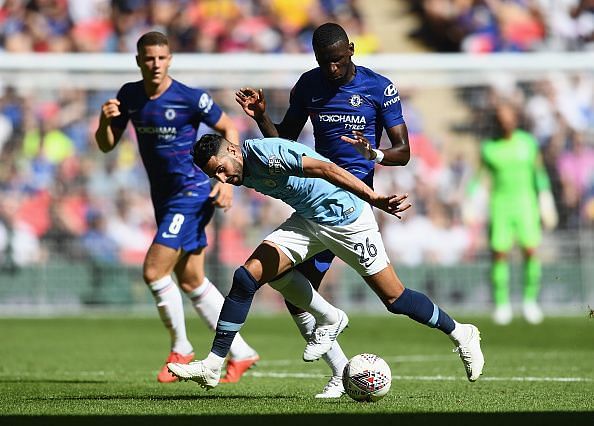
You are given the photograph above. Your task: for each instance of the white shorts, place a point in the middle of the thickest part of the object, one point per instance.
(359, 244)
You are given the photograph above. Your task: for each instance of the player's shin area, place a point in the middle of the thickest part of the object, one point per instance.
(386, 285)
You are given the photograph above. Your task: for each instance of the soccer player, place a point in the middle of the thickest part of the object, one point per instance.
(166, 115)
(518, 178)
(329, 213)
(347, 104)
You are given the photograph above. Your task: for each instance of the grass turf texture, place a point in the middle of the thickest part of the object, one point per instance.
(106, 366)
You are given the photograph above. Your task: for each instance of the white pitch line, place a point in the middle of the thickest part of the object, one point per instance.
(396, 358)
(280, 375)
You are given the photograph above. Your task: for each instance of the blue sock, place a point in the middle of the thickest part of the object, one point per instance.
(235, 309)
(419, 307)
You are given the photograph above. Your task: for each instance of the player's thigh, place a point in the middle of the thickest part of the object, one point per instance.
(267, 262)
(296, 238)
(528, 227)
(182, 223)
(501, 230)
(359, 244)
(159, 262)
(190, 270)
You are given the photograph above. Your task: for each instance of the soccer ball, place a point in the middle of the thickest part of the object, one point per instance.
(366, 377)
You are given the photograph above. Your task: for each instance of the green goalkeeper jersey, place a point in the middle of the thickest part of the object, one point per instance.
(512, 165)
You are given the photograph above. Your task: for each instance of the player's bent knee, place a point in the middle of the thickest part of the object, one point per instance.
(152, 275)
(244, 284)
(190, 285)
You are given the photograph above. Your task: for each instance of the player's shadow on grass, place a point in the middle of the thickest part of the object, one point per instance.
(238, 398)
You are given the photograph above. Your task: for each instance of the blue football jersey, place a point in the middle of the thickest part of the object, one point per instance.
(166, 129)
(368, 103)
(274, 167)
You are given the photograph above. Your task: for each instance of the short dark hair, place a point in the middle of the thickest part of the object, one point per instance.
(328, 34)
(152, 38)
(206, 147)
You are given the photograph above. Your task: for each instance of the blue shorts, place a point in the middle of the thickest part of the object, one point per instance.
(181, 222)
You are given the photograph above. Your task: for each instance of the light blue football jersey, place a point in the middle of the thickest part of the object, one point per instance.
(274, 167)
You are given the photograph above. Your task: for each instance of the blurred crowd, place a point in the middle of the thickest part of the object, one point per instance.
(447, 224)
(206, 26)
(60, 197)
(482, 26)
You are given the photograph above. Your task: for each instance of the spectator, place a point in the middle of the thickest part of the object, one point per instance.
(98, 245)
(576, 170)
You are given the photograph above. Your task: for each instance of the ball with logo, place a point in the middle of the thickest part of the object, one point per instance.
(367, 377)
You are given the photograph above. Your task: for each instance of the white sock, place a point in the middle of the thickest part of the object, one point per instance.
(335, 357)
(171, 310)
(305, 323)
(213, 361)
(298, 290)
(459, 334)
(208, 301)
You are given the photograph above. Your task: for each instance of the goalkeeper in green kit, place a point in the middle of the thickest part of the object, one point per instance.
(520, 198)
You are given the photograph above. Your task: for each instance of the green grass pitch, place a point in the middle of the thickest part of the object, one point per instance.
(106, 366)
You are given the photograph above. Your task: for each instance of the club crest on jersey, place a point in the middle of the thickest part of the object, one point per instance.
(355, 101)
(169, 114)
(205, 103)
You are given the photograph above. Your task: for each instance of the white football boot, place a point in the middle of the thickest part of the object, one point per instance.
(323, 336)
(196, 371)
(532, 312)
(333, 389)
(468, 347)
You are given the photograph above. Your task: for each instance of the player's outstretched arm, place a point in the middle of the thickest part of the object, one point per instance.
(106, 136)
(393, 204)
(252, 101)
(254, 105)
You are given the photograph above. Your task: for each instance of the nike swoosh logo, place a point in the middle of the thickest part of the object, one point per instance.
(132, 111)
(166, 235)
(317, 99)
(367, 265)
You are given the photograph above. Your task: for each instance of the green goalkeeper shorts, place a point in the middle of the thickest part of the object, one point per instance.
(508, 225)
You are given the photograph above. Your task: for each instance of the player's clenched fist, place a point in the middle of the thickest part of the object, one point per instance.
(111, 108)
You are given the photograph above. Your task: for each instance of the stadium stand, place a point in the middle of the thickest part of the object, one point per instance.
(60, 199)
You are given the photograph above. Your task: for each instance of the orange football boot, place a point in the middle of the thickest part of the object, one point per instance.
(237, 367)
(164, 375)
